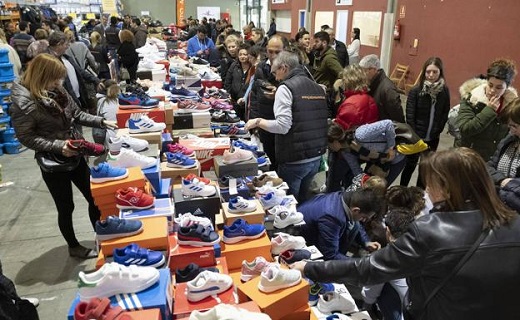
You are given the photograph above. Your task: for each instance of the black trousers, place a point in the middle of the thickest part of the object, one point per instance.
(60, 187)
(268, 140)
(411, 164)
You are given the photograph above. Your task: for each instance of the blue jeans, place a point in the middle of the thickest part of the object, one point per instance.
(299, 177)
(390, 303)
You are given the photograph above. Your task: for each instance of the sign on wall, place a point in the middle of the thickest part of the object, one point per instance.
(208, 12)
(369, 23)
(343, 2)
(323, 17)
(278, 1)
(180, 11)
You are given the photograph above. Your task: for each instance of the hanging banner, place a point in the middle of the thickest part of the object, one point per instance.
(180, 12)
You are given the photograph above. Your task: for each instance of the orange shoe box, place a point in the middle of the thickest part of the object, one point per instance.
(176, 173)
(206, 149)
(135, 179)
(255, 217)
(156, 114)
(181, 256)
(151, 137)
(246, 250)
(278, 304)
(304, 312)
(106, 212)
(149, 314)
(154, 236)
(168, 113)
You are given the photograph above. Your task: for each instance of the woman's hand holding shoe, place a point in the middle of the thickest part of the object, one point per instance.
(67, 151)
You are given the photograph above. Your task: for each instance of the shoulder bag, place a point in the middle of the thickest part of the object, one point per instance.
(52, 162)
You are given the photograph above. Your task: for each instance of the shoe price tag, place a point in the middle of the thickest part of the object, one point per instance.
(233, 187)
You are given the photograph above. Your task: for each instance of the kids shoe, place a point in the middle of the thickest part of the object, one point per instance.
(133, 198)
(188, 219)
(270, 200)
(241, 230)
(240, 205)
(237, 155)
(178, 160)
(188, 106)
(284, 241)
(285, 218)
(113, 227)
(316, 289)
(139, 123)
(99, 309)
(104, 172)
(136, 101)
(135, 255)
(252, 269)
(274, 278)
(197, 235)
(127, 158)
(113, 278)
(223, 182)
(334, 302)
(206, 284)
(86, 148)
(190, 272)
(264, 179)
(223, 117)
(192, 176)
(234, 131)
(195, 188)
(178, 148)
(127, 142)
(293, 255)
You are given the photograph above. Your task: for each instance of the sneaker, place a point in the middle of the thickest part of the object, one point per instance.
(223, 117)
(200, 61)
(246, 146)
(113, 278)
(192, 176)
(274, 278)
(262, 161)
(176, 147)
(240, 205)
(127, 142)
(135, 255)
(86, 148)
(316, 289)
(133, 198)
(178, 160)
(241, 230)
(234, 131)
(265, 178)
(189, 106)
(139, 123)
(206, 284)
(188, 219)
(291, 256)
(270, 200)
(181, 91)
(197, 235)
(104, 172)
(149, 64)
(195, 188)
(128, 158)
(220, 105)
(332, 301)
(113, 228)
(136, 101)
(190, 272)
(97, 308)
(284, 241)
(252, 269)
(208, 74)
(237, 155)
(223, 182)
(286, 218)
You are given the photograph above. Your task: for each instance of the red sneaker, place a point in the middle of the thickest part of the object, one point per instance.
(133, 198)
(192, 176)
(99, 309)
(86, 148)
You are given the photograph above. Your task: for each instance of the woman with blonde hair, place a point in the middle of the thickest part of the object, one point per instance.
(228, 55)
(100, 53)
(45, 116)
(449, 256)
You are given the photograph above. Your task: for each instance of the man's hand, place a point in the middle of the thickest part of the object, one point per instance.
(373, 246)
(110, 124)
(300, 265)
(504, 182)
(252, 123)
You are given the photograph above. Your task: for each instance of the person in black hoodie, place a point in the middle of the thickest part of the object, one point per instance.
(127, 55)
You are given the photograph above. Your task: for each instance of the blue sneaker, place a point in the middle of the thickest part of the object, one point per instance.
(133, 254)
(178, 160)
(134, 101)
(233, 130)
(241, 230)
(293, 255)
(197, 235)
(181, 91)
(113, 228)
(262, 161)
(104, 172)
(242, 145)
(316, 289)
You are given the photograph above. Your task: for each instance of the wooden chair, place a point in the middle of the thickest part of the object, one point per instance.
(398, 76)
(409, 86)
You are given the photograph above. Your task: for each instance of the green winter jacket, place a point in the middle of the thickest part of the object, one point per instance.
(481, 128)
(326, 68)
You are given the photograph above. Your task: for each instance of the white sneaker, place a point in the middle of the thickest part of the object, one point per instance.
(158, 92)
(275, 278)
(147, 48)
(128, 158)
(140, 123)
(332, 301)
(187, 219)
(149, 64)
(206, 284)
(196, 188)
(285, 218)
(208, 74)
(241, 205)
(127, 142)
(284, 241)
(114, 278)
(270, 200)
(228, 312)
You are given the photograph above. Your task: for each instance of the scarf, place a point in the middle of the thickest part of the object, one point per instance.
(432, 89)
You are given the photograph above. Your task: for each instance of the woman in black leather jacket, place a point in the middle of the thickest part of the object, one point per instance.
(43, 114)
(466, 207)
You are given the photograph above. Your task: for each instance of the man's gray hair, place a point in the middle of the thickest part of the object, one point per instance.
(286, 58)
(56, 38)
(370, 61)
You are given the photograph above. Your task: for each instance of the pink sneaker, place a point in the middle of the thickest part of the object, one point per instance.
(237, 155)
(175, 148)
(219, 105)
(188, 106)
(253, 269)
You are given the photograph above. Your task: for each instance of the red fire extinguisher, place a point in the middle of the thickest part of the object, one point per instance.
(397, 30)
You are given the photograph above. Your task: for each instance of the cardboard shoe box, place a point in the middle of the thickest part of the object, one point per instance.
(255, 217)
(207, 206)
(156, 114)
(181, 256)
(135, 179)
(191, 120)
(162, 208)
(246, 250)
(206, 149)
(175, 174)
(239, 169)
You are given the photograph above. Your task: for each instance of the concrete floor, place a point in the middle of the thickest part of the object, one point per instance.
(32, 250)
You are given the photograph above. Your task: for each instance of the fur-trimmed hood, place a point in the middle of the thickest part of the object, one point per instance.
(473, 90)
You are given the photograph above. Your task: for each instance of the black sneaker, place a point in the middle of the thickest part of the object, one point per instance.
(224, 117)
(190, 272)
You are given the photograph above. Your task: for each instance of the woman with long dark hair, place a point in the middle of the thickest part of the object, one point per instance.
(353, 47)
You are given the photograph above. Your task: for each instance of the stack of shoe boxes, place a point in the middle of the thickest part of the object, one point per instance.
(157, 114)
(206, 149)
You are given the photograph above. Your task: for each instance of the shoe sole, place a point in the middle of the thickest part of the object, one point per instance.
(278, 287)
(199, 195)
(197, 243)
(123, 207)
(237, 160)
(158, 264)
(247, 277)
(109, 293)
(104, 237)
(173, 165)
(241, 238)
(191, 110)
(101, 180)
(202, 297)
(133, 131)
(286, 224)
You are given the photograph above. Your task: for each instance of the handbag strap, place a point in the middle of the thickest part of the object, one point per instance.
(454, 271)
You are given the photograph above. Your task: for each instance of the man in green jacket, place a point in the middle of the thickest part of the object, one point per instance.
(326, 66)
